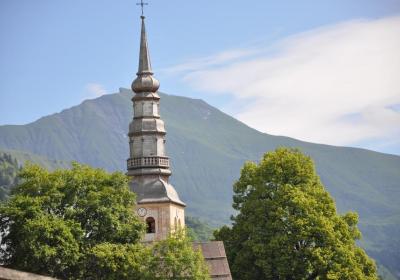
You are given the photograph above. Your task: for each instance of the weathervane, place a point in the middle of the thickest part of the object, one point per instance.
(142, 4)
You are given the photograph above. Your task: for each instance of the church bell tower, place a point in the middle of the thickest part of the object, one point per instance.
(158, 203)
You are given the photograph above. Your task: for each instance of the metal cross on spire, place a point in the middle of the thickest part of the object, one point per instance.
(142, 4)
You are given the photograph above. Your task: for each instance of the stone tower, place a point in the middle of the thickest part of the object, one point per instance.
(158, 202)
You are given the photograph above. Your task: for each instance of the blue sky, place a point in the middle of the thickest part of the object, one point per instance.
(54, 54)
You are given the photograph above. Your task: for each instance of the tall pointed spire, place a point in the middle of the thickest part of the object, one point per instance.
(145, 82)
(144, 56)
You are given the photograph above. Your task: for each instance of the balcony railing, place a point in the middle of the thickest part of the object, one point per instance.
(148, 162)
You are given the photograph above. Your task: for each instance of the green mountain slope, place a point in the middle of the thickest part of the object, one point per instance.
(8, 174)
(22, 157)
(208, 148)
(12, 160)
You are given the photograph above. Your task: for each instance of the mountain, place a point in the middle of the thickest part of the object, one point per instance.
(22, 157)
(207, 149)
(8, 175)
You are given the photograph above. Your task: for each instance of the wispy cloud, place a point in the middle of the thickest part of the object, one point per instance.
(94, 90)
(211, 61)
(338, 84)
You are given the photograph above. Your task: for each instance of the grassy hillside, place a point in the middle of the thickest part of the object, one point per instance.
(11, 162)
(9, 169)
(208, 148)
(22, 157)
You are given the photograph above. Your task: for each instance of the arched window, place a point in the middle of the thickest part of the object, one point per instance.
(175, 223)
(151, 225)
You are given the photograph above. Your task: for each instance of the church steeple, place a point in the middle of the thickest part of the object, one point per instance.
(148, 164)
(146, 131)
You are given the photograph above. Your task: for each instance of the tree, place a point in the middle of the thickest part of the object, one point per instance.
(81, 224)
(174, 258)
(54, 219)
(119, 261)
(287, 226)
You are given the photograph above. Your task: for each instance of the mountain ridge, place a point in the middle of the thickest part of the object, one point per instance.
(207, 149)
(124, 90)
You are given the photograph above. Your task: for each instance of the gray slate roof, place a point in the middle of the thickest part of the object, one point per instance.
(215, 257)
(154, 190)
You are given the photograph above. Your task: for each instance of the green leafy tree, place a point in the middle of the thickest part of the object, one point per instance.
(175, 258)
(287, 226)
(119, 261)
(54, 219)
(80, 224)
(169, 259)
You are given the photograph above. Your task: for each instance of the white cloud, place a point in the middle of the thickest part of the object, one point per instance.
(210, 61)
(335, 84)
(94, 90)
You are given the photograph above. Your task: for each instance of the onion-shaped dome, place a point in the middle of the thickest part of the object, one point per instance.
(145, 83)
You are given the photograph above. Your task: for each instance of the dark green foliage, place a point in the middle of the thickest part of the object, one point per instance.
(119, 261)
(54, 218)
(8, 174)
(175, 258)
(198, 230)
(287, 226)
(207, 149)
(81, 224)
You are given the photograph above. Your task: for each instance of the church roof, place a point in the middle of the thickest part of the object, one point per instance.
(154, 190)
(215, 257)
